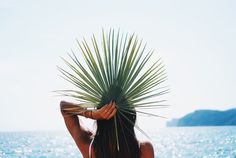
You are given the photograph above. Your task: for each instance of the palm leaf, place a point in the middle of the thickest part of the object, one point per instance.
(118, 70)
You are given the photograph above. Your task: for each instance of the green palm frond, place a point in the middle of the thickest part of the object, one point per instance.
(119, 70)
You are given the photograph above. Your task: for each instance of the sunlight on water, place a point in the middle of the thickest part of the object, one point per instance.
(184, 142)
(194, 142)
(37, 145)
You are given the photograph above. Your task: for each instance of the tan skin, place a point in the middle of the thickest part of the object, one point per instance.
(83, 137)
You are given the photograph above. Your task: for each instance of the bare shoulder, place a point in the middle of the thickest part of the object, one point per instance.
(146, 150)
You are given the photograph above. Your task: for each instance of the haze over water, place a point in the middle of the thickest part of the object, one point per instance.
(196, 40)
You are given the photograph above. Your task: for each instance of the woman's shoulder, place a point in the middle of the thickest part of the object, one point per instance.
(146, 149)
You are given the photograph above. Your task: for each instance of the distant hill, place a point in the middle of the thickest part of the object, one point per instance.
(206, 118)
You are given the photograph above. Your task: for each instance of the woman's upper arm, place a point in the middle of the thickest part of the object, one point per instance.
(146, 149)
(75, 129)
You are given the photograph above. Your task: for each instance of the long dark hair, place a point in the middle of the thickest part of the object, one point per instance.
(105, 141)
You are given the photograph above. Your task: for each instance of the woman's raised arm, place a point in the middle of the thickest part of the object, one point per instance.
(81, 136)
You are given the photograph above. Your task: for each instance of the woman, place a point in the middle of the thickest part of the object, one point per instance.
(104, 143)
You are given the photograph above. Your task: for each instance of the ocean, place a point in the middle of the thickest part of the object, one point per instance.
(175, 142)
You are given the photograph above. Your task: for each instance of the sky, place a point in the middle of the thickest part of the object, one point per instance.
(196, 40)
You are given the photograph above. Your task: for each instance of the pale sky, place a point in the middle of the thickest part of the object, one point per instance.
(196, 39)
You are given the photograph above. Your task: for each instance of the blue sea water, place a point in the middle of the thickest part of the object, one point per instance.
(180, 142)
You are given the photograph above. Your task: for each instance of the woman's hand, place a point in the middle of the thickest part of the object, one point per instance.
(105, 113)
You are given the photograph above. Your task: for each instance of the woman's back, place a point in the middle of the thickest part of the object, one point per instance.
(146, 150)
